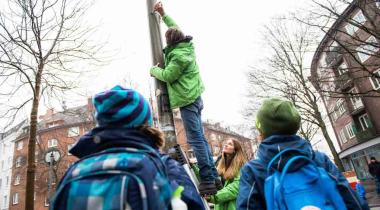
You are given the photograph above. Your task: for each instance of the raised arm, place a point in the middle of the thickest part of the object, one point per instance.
(159, 8)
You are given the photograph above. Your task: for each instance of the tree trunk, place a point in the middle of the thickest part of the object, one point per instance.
(337, 160)
(31, 167)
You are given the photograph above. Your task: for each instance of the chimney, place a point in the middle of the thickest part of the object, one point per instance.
(49, 114)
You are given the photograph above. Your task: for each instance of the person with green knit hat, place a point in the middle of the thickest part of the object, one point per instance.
(278, 122)
(279, 117)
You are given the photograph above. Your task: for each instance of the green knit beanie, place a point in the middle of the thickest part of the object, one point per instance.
(277, 117)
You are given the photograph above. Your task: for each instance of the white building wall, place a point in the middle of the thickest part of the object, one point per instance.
(7, 145)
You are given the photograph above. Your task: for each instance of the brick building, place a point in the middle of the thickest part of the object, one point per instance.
(344, 70)
(215, 135)
(56, 131)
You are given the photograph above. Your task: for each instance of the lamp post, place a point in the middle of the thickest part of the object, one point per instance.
(52, 156)
(165, 114)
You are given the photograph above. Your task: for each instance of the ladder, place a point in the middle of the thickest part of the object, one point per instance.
(178, 154)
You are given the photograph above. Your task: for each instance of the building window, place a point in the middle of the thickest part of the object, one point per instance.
(333, 45)
(5, 201)
(355, 100)
(367, 49)
(375, 81)
(341, 107)
(52, 143)
(36, 158)
(47, 202)
(15, 199)
(73, 131)
(7, 180)
(342, 136)
(342, 68)
(333, 114)
(37, 139)
(358, 19)
(350, 131)
(1, 182)
(364, 121)
(216, 150)
(17, 179)
(69, 147)
(19, 145)
(18, 162)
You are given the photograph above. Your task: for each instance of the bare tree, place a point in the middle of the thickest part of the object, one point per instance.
(350, 50)
(40, 42)
(285, 74)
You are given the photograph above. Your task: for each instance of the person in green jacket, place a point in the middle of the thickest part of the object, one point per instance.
(181, 74)
(233, 158)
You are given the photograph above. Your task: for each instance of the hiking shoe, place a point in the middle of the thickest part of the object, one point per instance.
(218, 184)
(207, 188)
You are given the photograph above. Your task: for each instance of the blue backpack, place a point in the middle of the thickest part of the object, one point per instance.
(308, 186)
(116, 178)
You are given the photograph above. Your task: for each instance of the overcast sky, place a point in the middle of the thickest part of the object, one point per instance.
(226, 36)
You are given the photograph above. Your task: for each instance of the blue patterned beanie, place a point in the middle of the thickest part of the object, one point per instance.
(120, 107)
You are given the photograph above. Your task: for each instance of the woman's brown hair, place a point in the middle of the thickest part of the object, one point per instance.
(229, 166)
(154, 133)
(174, 36)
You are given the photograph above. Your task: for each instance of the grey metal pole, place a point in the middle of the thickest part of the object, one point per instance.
(164, 112)
(50, 176)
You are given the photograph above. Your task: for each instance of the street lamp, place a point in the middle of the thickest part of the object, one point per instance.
(52, 156)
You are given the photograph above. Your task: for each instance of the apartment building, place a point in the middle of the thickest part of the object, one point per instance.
(346, 71)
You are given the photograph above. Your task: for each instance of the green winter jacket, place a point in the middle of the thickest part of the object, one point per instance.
(225, 199)
(181, 72)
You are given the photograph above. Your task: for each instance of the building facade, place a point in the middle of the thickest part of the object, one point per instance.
(216, 136)
(6, 161)
(346, 71)
(56, 132)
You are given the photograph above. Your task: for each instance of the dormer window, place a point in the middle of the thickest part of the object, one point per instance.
(54, 124)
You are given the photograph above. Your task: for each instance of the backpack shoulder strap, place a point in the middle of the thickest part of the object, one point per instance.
(278, 155)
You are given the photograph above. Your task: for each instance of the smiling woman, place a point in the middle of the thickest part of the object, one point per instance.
(233, 158)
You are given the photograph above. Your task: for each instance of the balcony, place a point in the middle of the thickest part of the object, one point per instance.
(334, 56)
(356, 107)
(343, 81)
(366, 134)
